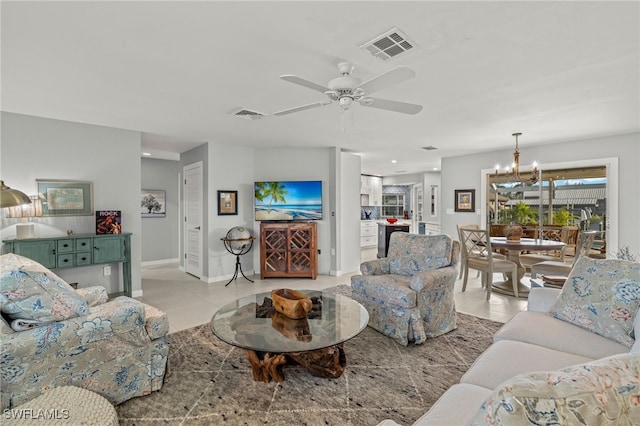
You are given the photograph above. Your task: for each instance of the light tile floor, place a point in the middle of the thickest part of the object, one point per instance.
(190, 302)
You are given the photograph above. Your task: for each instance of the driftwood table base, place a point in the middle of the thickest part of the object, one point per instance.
(327, 363)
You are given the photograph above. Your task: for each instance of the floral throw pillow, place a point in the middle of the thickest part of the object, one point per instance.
(29, 291)
(602, 296)
(602, 392)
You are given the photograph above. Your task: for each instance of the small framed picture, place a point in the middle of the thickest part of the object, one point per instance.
(465, 200)
(153, 203)
(227, 203)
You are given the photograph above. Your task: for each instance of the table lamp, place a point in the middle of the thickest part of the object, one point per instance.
(33, 208)
(11, 197)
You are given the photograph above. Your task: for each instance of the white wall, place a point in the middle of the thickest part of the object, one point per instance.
(230, 169)
(347, 234)
(464, 172)
(40, 148)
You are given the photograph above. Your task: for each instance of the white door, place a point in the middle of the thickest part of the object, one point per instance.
(193, 219)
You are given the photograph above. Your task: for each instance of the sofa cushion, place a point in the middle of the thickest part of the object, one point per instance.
(605, 391)
(601, 296)
(30, 291)
(408, 253)
(540, 329)
(456, 406)
(507, 358)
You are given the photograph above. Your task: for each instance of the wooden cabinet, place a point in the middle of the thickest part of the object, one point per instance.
(368, 233)
(288, 250)
(77, 250)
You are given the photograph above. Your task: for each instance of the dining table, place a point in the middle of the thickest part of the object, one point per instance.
(514, 248)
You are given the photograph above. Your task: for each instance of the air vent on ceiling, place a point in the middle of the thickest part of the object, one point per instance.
(247, 114)
(429, 148)
(390, 44)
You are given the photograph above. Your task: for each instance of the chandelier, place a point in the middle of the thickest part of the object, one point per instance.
(514, 170)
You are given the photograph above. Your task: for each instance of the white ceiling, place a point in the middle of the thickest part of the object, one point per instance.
(555, 71)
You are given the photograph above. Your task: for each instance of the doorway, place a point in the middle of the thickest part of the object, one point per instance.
(193, 201)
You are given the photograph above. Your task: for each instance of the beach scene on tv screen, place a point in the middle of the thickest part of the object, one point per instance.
(301, 200)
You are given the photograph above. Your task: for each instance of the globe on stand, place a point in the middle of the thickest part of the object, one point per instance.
(238, 241)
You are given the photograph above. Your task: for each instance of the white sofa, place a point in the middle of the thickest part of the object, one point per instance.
(531, 341)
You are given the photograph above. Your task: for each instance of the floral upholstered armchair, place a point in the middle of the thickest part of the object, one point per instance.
(53, 335)
(409, 294)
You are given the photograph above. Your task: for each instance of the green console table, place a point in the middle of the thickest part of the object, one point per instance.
(77, 250)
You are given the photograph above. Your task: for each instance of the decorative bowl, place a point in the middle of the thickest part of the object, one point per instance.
(392, 220)
(291, 303)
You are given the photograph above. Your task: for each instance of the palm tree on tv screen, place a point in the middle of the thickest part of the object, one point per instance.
(273, 190)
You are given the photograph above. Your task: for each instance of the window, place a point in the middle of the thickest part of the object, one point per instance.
(393, 205)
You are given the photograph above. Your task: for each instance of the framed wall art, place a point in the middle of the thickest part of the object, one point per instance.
(153, 203)
(227, 203)
(465, 200)
(65, 197)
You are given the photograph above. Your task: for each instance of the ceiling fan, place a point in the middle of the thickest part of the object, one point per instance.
(348, 89)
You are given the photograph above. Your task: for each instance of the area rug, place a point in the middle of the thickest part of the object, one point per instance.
(209, 382)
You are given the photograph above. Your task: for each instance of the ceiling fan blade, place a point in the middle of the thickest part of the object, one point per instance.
(394, 76)
(302, 108)
(396, 106)
(305, 83)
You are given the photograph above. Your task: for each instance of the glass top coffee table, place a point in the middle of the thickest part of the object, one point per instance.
(271, 340)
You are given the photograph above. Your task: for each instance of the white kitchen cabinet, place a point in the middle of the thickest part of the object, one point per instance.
(365, 185)
(370, 190)
(368, 233)
(376, 191)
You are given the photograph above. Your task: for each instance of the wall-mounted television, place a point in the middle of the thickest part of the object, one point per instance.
(288, 200)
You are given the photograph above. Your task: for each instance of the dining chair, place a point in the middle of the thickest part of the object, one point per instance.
(550, 267)
(564, 234)
(463, 256)
(480, 256)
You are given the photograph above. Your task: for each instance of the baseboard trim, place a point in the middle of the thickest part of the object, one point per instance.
(160, 262)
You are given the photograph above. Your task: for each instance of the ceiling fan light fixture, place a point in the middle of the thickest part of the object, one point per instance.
(345, 103)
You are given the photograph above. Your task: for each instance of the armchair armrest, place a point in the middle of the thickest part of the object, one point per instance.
(122, 324)
(375, 267)
(429, 279)
(541, 299)
(96, 295)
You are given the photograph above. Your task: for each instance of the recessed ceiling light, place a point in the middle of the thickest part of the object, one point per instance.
(394, 161)
(146, 154)
(435, 168)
